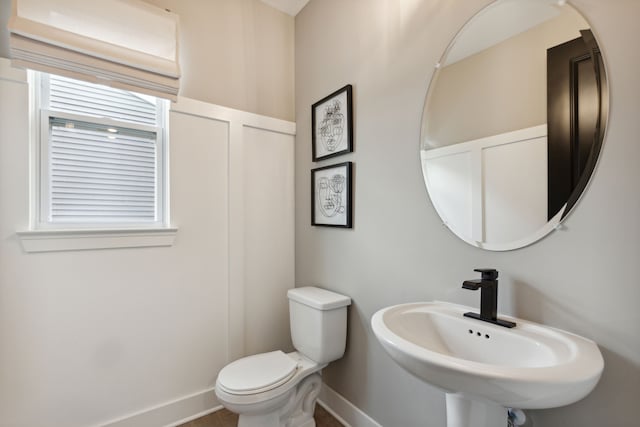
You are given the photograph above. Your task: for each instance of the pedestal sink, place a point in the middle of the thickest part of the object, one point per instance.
(485, 368)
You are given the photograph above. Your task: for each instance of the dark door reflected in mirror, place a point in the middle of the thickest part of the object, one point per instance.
(575, 116)
(513, 122)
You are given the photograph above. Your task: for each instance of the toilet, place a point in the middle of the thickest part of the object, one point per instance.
(278, 389)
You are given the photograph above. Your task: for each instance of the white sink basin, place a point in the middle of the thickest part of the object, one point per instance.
(528, 366)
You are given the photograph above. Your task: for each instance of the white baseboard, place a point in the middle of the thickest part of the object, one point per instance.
(187, 408)
(172, 413)
(343, 410)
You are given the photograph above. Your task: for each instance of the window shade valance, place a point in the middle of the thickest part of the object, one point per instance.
(127, 44)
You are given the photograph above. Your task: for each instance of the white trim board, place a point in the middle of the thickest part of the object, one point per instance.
(226, 114)
(180, 410)
(343, 410)
(48, 240)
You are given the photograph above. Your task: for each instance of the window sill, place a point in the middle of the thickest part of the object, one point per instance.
(78, 240)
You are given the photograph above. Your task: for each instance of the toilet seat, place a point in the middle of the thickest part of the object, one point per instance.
(257, 374)
(277, 390)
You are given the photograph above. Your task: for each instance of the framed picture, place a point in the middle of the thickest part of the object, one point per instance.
(332, 125)
(331, 196)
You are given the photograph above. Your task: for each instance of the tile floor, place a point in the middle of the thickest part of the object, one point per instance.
(224, 418)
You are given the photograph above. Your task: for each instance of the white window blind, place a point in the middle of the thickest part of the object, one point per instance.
(128, 44)
(74, 96)
(102, 155)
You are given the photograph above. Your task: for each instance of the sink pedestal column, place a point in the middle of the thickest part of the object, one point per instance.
(463, 411)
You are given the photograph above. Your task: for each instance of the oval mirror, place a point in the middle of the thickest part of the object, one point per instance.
(513, 122)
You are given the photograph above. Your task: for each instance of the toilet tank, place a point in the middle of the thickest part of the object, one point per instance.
(318, 320)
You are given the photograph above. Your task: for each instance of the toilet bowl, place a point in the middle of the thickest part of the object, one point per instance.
(278, 389)
(267, 387)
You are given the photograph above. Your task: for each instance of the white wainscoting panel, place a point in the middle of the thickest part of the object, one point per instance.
(136, 336)
(491, 191)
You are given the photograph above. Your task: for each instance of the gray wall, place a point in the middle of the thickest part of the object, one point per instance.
(582, 278)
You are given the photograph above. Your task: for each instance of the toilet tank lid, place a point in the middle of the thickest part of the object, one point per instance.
(318, 298)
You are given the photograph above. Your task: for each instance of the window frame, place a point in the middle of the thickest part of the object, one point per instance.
(56, 237)
(42, 166)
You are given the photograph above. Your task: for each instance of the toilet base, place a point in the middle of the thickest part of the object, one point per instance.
(296, 412)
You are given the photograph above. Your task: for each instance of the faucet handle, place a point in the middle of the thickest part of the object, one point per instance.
(487, 273)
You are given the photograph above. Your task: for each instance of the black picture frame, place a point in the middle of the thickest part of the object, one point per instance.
(332, 125)
(331, 195)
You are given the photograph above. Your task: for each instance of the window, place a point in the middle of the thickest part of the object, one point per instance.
(99, 168)
(102, 156)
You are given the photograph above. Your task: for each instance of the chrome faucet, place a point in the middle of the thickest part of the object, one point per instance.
(488, 285)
